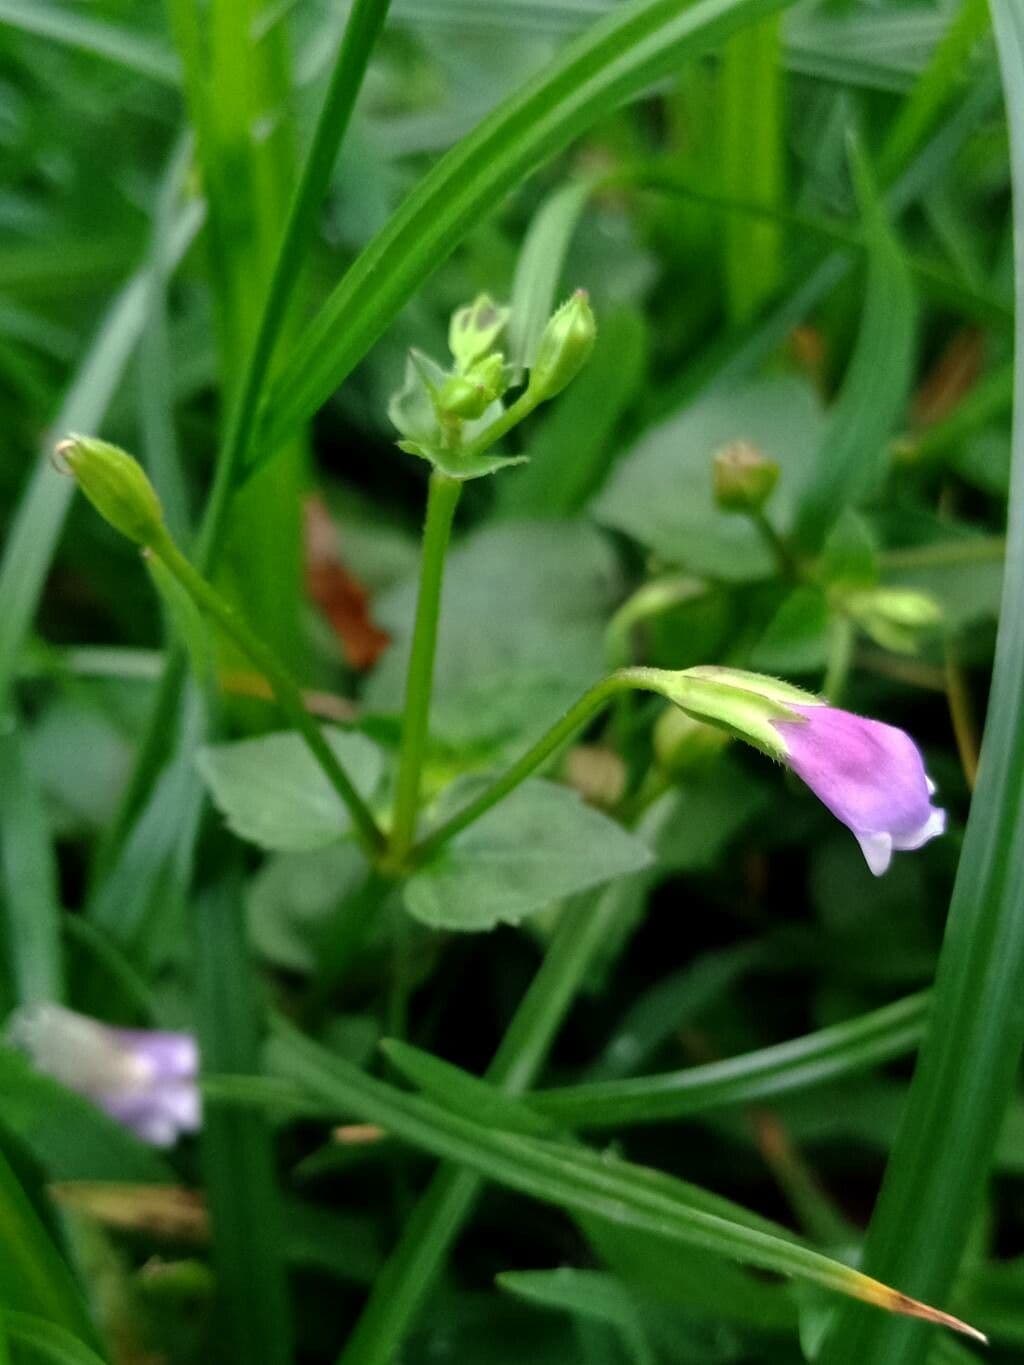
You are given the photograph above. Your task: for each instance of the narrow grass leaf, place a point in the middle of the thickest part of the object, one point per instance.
(970, 1055)
(134, 51)
(45, 1341)
(850, 458)
(611, 63)
(236, 1145)
(830, 1054)
(539, 270)
(585, 1182)
(31, 912)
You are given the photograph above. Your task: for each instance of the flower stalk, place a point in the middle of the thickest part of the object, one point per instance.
(442, 500)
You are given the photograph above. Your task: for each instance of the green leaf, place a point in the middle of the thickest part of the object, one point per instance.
(292, 898)
(236, 1145)
(851, 456)
(69, 1137)
(30, 911)
(589, 1294)
(571, 448)
(795, 640)
(462, 1093)
(272, 791)
(133, 51)
(538, 846)
(661, 494)
(840, 1050)
(616, 59)
(580, 1180)
(705, 813)
(539, 270)
(45, 1341)
(498, 673)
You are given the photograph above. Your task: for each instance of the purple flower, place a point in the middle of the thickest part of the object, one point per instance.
(870, 776)
(145, 1079)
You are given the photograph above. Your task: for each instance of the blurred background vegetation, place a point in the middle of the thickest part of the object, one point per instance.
(799, 236)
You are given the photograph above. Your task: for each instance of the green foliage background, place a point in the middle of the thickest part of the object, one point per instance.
(649, 1081)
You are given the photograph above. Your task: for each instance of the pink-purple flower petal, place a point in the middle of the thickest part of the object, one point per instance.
(871, 776)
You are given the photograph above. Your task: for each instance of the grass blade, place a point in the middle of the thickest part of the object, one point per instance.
(45, 1340)
(936, 1175)
(237, 1148)
(831, 1053)
(752, 164)
(539, 269)
(586, 1182)
(33, 1275)
(33, 537)
(611, 63)
(144, 55)
(31, 907)
(877, 380)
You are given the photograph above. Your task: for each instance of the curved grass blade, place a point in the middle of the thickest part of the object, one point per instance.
(588, 1182)
(45, 1341)
(612, 62)
(877, 380)
(133, 51)
(936, 1176)
(831, 1053)
(37, 525)
(31, 914)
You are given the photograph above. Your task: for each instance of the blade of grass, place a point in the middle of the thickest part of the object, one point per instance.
(937, 1172)
(831, 1053)
(876, 383)
(585, 1182)
(236, 1144)
(409, 1272)
(940, 79)
(133, 51)
(34, 1277)
(45, 1340)
(612, 62)
(33, 536)
(31, 908)
(362, 29)
(539, 269)
(752, 163)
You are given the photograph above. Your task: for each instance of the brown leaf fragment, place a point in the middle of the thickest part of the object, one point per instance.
(338, 593)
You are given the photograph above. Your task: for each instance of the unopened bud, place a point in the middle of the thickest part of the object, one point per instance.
(564, 348)
(116, 485)
(460, 397)
(895, 618)
(474, 330)
(744, 478)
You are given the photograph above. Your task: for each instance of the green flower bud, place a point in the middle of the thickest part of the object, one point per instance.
(116, 485)
(474, 330)
(458, 396)
(491, 373)
(895, 618)
(744, 477)
(564, 348)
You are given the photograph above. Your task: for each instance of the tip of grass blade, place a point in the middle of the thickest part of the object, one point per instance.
(874, 1292)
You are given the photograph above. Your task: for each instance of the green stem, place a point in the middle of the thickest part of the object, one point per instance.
(286, 690)
(501, 426)
(401, 1287)
(442, 500)
(364, 23)
(577, 716)
(781, 552)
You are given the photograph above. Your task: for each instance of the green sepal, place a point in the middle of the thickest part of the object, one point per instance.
(743, 703)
